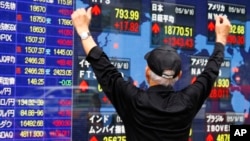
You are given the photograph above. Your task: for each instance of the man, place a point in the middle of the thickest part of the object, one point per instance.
(159, 113)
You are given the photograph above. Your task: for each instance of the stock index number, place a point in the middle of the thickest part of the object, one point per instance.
(127, 14)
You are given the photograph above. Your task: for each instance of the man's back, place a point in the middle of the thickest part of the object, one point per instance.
(160, 114)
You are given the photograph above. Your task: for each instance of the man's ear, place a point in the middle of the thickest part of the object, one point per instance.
(147, 71)
(179, 75)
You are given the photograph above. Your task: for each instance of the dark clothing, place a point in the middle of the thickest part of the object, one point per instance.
(159, 113)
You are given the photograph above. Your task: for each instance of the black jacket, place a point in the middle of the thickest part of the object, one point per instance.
(159, 113)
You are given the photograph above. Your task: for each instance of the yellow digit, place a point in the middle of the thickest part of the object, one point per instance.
(99, 88)
(241, 29)
(126, 14)
(116, 12)
(170, 32)
(137, 15)
(121, 13)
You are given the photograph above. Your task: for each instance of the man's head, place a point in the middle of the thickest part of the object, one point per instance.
(164, 61)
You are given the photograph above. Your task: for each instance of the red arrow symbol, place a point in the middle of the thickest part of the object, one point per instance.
(193, 80)
(93, 139)
(105, 99)
(209, 138)
(211, 26)
(96, 10)
(84, 86)
(155, 28)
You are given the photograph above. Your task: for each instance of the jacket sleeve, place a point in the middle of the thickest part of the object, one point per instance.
(111, 80)
(201, 88)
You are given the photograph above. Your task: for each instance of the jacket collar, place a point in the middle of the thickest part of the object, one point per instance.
(160, 89)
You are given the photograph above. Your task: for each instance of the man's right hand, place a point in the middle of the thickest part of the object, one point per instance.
(81, 19)
(222, 29)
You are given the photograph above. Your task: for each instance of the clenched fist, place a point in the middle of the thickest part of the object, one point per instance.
(81, 19)
(222, 29)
